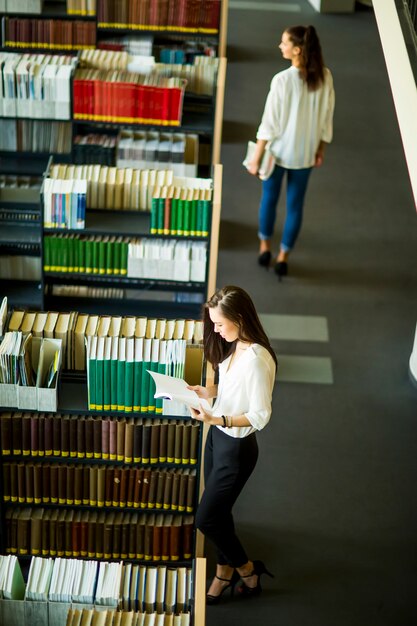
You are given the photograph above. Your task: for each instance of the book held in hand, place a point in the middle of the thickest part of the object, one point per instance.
(267, 164)
(177, 389)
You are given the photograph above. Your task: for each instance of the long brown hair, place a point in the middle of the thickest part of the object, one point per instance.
(237, 306)
(311, 59)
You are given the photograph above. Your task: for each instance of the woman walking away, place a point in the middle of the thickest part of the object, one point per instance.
(239, 350)
(298, 121)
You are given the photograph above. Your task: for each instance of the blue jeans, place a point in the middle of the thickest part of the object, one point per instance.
(296, 188)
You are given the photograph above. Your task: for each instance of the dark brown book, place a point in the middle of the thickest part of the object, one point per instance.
(62, 484)
(46, 483)
(21, 482)
(100, 529)
(130, 486)
(34, 435)
(37, 484)
(146, 478)
(191, 497)
(48, 432)
(29, 483)
(6, 482)
(89, 438)
(148, 546)
(17, 433)
(182, 496)
(154, 445)
(54, 479)
(187, 536)
(65, 435)
(109, 486)
(166, 537)
(175, 550)
(171, 441)
(116, 487)
(132, 535)
(101, 485)
(121, 428)
(137, 441)
(46, 526)
(168, 489)
(84, 534)
(113, 440)
(26, 434)
(194, 439)
(117, 535)
(140, 536)
(108, 535)
(53, 529)
(6, 433)
(160, 489)
(86, 485)
(23, 531)
(93, 485)
(11, 521)
(175, 490)
(56, 435)
(92, 531)
(41, 434)
(137, 494)
(105, 443)
(68, 546)
(186, 443)
(70, 484)
(128, 445)
(60, 533)
(124, 537)
(179, 430)
(146, 440)
(163, 441)
(97, 437)
(157, 538)
(73, 437)
(81, 437)
(78, 485)
(76, 535)
(124, 478)
(153, 481)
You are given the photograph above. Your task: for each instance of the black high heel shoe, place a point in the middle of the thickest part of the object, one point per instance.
(264, 258)
(232, 583)
(281, 269)
(258, 569)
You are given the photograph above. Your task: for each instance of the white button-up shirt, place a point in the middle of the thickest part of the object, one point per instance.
(246, 389)
(295, 119)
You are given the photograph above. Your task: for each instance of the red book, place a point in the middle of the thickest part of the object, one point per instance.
(176, 95)
(158, 102)
(78, 98)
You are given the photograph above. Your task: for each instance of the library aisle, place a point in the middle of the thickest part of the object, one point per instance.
(331, 506)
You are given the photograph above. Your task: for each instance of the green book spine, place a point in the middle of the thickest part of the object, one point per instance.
(174, 215)
(113, 384)
(71, 254)
(152, 388)
(154, 216)
(82, 248)
(187, 218)
(117, 251)
(47, 254)
(121, 368)
(92, 367)
(102, 246)
(144, 395)
(206, 217)
(159, 401)
(193, 220)
(180, 217)
(161, 216)
(99, 384)
(63, 258)
(77, 247)
(137, 386)
(129, 385)
(106, 385)
(54, 254)
(95, 256)
(199, 223)
(110, 258)
(88, 256)
(123, 258)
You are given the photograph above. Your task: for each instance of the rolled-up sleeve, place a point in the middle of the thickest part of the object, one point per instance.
(259, 382)
(269, 126)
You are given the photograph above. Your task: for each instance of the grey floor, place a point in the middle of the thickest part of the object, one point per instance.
(331, 506)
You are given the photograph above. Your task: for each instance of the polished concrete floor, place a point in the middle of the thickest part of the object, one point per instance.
(331, 506)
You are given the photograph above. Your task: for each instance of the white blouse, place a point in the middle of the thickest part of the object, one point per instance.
(246, 389)
(295, 119)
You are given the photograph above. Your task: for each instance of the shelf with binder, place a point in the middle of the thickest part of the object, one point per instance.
(122, 282)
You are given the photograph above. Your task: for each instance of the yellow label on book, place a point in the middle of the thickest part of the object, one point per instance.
(80, 455)
(181, 508)
(107, 555)
(162, 459)
(26, 452)
(6, 452)
(57, 452)
(129, 504)
(13, 499)
(54, 500)
(77, 502)
(89, 455)
(48, 452)
(45, 499)
(166, 507)
(73, 454)
(189, 509)
(83, 553)
(170, 459)
(68, 553)
(177, 460)
(53, 552)
(100, 502)
(37, 500)
(86, 502)
(99, 555)
(70, 501)
(165, 558)
(97, 455)
(75, 553)
(17, 452)
(106, 407)
(62, 501)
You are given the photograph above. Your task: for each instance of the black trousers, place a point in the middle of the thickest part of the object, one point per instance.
(228, 463)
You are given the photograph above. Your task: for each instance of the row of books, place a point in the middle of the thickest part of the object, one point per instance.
(181, 212)
(98, 534)
(135, 440)
(105, 256)
(36, 85)
(181, 261)
(82, 291)
(182, 15)
(127, 97)
(159, 150)
(81, 7)
(118, 372)
(64, 203)
(52, 34)
(99, 486)
(28, 363)
(119, 188)
(73, 328)
(109, 617)
(35, 136)
(200, 76)
(20, 266)
(94, 148)
(138, 45)
(184, 52)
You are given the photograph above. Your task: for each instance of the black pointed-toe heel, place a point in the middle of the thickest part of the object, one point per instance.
(264, 259)
(281, 269)
(232, 583)
(259, 568)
